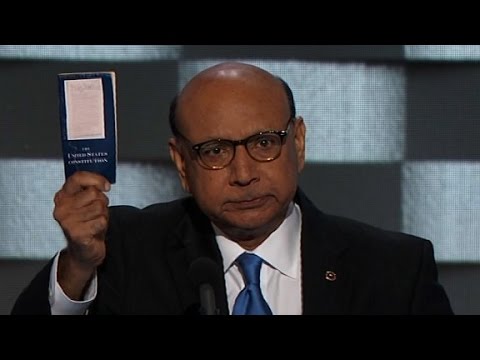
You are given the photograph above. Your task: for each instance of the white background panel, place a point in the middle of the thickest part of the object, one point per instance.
(441, 202)
(91, 52)
(27, 188)
(442, 52)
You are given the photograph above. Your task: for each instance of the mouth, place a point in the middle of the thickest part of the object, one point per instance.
(248, 204)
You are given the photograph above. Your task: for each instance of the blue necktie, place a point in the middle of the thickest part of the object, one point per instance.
(250, 300)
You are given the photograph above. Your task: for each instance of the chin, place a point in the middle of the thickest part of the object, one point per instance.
(250, 222)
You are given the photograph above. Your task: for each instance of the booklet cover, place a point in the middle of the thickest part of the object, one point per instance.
(88, 122)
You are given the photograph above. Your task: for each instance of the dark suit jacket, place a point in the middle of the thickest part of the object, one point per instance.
(149, 253)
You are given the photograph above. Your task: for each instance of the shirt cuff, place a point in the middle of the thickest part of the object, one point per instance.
(60, 303)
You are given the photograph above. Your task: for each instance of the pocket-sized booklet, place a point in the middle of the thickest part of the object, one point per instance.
(88, 122)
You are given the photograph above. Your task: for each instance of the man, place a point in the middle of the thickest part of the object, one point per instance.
(238, 147)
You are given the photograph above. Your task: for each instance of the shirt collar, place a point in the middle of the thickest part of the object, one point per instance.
(281, 249)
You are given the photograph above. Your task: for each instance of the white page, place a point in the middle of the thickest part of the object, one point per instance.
(84, 109)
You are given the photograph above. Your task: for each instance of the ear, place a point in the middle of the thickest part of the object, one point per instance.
(179, 160)
(300, 132)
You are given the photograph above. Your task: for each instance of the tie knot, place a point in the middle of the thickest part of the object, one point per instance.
(250, 265)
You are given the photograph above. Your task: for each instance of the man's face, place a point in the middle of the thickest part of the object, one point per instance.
(247, 198)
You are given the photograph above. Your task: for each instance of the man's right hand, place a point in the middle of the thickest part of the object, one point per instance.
(81, 209)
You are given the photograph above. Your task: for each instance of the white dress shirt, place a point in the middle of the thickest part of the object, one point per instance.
(60, 303)
(280, 275)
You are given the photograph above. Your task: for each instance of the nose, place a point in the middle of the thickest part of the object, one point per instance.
(243, 169)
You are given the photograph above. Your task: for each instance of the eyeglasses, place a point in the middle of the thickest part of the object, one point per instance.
(263, 147)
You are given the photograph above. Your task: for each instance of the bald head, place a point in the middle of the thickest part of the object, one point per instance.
(230, 69)
(224, 85)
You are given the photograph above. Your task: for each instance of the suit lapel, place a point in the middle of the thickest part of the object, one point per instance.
(324, 277)
(194, 238)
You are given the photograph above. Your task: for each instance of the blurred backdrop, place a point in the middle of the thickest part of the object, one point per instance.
(392, 139)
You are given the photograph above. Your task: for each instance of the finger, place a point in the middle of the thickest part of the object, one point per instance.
(94, 210)
(87, 197)
(77, 207)
(82, 179)
(66, 203)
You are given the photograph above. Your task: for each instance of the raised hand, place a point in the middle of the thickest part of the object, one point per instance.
(81, 209)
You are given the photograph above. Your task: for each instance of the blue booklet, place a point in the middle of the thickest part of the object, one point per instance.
(88, 122)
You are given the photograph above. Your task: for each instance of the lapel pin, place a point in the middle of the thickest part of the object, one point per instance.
(330, 275)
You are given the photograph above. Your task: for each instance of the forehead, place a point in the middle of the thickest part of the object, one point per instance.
(232, 107)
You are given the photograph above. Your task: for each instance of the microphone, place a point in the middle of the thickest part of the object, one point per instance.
(205, 274)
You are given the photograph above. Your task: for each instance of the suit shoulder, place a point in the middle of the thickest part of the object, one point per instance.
(370, 236)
